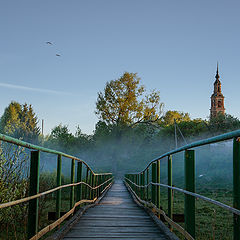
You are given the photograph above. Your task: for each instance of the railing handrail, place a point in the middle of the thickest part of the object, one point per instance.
(21, 143)
(219, 138)
(26, 199)
(217, 203)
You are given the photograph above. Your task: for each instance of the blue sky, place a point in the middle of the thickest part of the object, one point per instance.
(172, 45)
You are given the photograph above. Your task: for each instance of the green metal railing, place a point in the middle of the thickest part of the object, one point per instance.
(139, 184)
(88, 188)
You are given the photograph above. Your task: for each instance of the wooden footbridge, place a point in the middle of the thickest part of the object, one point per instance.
(101, 208)
(117, 216)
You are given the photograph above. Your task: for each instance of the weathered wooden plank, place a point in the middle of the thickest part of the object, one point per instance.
(117, 229)
(119, 213)
(116, 217)
(116, 224)
(79, 234)
(110, 238)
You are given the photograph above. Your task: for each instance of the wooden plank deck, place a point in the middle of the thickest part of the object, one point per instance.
(116, 217)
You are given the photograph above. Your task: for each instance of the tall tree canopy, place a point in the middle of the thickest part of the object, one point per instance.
(123, 102)
(168, 118)
(20, 121)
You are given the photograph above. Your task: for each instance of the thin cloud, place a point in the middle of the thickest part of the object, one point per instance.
(41, 90)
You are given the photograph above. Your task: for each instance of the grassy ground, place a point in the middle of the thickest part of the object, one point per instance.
(212, 222)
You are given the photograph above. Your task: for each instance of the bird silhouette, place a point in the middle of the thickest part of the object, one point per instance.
(49, 43)
(58, 55)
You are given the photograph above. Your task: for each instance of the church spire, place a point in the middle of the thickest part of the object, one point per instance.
(217, 98)
(217, 75)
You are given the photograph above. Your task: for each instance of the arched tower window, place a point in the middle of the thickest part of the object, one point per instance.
(219, 103)
(213, 103)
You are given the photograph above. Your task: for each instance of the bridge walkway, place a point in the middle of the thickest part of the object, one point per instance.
(116, 217)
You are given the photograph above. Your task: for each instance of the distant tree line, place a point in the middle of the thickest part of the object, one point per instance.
(132, 127)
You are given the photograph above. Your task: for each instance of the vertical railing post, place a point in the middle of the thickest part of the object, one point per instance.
(170, 191)
(33, 190)
(103, 180)
(86, 187)
(72, 181)
(79, 179)
(94, 178)
(59, 182)
(144, 189)
(158, 187)
(147, 184)
(141, 184)
(137, 184)
(100, 182)
(132, 179)
(154, 168)
(135, 181)
(189, 201)
(91, 184)
(236, 187)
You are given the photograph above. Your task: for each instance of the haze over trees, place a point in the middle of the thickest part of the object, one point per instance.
(132, 128)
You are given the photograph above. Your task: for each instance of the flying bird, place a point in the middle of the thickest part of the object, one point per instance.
(49, 43)
(58, 55)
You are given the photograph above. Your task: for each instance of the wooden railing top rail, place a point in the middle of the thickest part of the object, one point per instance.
(26, 199)
(217, 203)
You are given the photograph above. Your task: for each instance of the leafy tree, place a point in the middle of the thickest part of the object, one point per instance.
(20, 121)
(61, 138)
(123, 102)
(10, 120)
(102, 130)
(82, 142)
(168, 118)
(193, 128)
(223, 123)
(122, 106)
